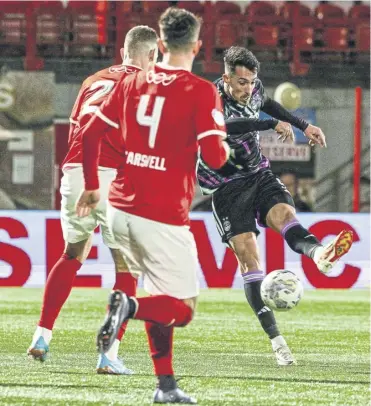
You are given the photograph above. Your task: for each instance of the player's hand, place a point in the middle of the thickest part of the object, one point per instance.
(315, 136)
(87, 201)
(285, 131)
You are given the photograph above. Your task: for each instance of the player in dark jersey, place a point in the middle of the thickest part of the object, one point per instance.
(245, 190)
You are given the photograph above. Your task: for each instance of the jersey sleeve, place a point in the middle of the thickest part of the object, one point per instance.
(209, 118)
(210, 121)
(74, 116)
(104, 118)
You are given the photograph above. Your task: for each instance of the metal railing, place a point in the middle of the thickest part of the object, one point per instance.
(334, 192)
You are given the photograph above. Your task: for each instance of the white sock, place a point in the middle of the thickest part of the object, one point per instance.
(317, 254)
(41, 332)
(277, 342)
(112, 353)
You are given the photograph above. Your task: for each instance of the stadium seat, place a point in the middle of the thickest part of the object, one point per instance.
(229, 26)
(287, 10)
(13, 26)
(155, 7)
(152, 11)
(305, 38)
(363, 38)
(88, 27)
(331, 15)
(264, 36)
(360, 12)
(261, 12)
(194, 6)
(335, 38)
(51, 27)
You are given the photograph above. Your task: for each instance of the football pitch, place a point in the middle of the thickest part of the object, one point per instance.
(222, 357)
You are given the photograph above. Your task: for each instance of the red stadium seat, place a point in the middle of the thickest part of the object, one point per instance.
(304, 40)
(194, 6)
(51, 23)
(13, 23)
(335, 38)
(360, 12)
(84, 22)
(227, 8)
(287, 10)
(229, 28)
(261, 12)
(89, 26)
(155, 7)
(363, 38)
(265, 36)
(325, 11)
(331, 15)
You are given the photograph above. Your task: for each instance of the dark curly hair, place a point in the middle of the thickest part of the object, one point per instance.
(179, 28)
(239, 56)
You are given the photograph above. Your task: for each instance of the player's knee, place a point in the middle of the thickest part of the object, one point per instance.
(120, 263)
(279, 215)
(77, 250)
(189, 311)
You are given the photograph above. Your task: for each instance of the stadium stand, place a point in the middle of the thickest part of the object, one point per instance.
(288, 31)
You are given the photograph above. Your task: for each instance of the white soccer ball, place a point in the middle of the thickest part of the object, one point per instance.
(288, 95)
(281, 290)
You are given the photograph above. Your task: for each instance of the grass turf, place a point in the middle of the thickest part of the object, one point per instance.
(223, 357)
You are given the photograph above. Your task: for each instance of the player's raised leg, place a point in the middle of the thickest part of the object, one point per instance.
(247, 252)
(282, 218)
(167, 256)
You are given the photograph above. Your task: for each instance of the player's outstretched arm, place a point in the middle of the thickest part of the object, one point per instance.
(313, 133)
(241, 125)
(277, 111)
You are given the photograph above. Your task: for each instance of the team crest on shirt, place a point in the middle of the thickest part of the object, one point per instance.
(218, 117)
(226, 224)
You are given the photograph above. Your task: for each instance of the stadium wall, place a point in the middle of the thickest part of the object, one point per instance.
(31, 242)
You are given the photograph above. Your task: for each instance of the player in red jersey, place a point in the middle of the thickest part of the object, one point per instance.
(140, 50)
(166, 115)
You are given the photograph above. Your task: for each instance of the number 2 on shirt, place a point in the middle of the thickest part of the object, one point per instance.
(152, 121)
(101, 88)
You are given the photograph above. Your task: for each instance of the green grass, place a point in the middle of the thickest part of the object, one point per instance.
(223, 357)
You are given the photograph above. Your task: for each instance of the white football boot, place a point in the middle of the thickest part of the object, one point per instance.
(282, 352)
(326, 257)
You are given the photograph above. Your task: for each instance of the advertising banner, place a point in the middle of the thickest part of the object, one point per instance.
(31, 242)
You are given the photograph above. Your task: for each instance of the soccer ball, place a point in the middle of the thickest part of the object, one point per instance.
(288, 95)
(281, 290)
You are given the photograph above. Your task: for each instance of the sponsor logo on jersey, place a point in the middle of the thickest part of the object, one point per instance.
(160, 77)
(145, 161)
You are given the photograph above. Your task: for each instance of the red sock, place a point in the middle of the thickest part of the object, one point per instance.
(127, 284)
(160, 339)
(57, 289)
(164, 310)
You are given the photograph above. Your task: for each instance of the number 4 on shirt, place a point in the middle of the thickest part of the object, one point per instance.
(152, 121)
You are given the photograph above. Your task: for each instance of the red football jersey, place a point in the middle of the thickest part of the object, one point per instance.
(94, 91)
(162, 115)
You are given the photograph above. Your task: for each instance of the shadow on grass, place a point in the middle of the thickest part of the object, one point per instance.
(249, 377)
